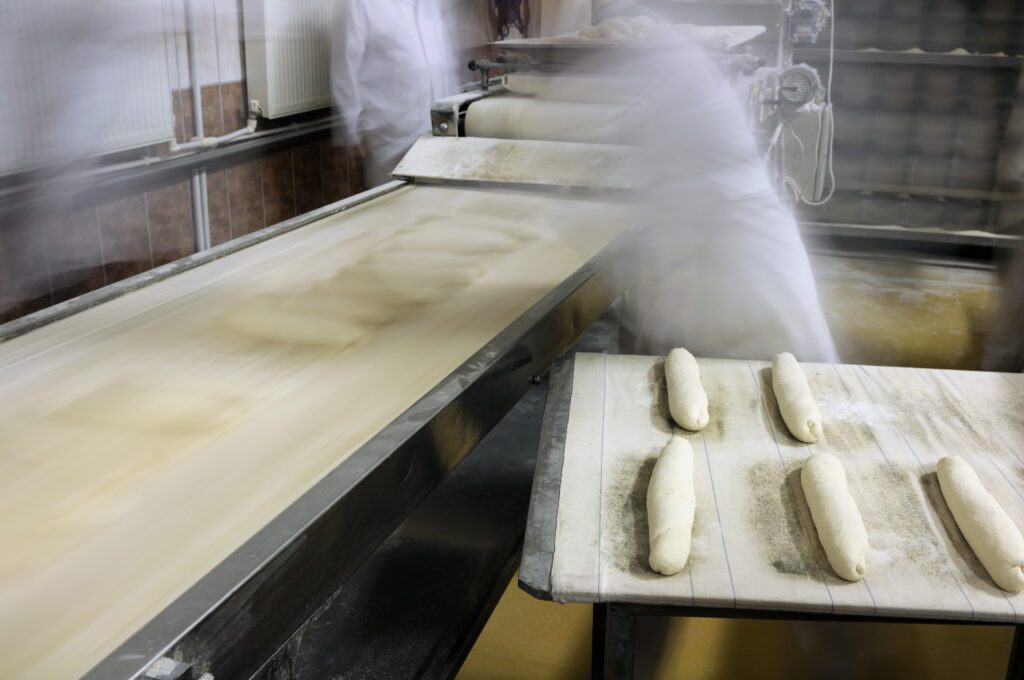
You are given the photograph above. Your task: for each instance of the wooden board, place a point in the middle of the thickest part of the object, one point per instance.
(754, 544)
(143, 440)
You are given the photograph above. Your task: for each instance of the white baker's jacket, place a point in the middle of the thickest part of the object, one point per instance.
(391, 60)
(723, 271)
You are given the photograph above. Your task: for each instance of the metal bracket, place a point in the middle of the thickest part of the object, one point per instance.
(169, 669)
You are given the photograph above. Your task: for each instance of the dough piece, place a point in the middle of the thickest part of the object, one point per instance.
(670, 506)
(835, 514)
(512, 117)
(621, 26)
(687, 400)
(418, 278)
(518, 229)
(423, 261)
(454, 240)
(642, 21)
(360, 300)
(992, 535)
(295, 320)
(572, 88)
(175, 407)
(796, 402)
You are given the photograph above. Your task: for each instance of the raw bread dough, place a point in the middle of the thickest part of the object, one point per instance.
(796, 402)
(992, 535)
(620, 28)
(454, 240)
(670, 506)
(835, 514)
(339, 310)
(512, 117)
(177, 407)
(687, 400)
(425, 261)
(402, 276)
(572, 88)
(601, 32)
(363, 301)
(520, 229)
(295, 320)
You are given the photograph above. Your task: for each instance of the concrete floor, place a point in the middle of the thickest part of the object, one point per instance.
(885, 313)
(901, 313)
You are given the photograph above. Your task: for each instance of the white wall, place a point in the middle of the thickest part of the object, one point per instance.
(218, 45)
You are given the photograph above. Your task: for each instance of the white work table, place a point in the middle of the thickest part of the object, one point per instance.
(755, 549)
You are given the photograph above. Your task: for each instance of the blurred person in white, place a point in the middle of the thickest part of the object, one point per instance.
(391, 60)
(723, 271)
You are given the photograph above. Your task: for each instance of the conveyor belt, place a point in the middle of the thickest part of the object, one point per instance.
(148, 437)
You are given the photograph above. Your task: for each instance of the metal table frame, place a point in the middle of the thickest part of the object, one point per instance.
(614, 623)
(613, 637)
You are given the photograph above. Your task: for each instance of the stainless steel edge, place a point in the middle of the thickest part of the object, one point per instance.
(897, 233)
(821, 54)
(541, 521)
(236, 616)
(13, 329)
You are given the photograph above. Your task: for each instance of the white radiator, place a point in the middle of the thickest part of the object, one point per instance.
(81, 79)
(288, 54)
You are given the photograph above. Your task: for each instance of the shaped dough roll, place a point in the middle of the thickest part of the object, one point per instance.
(687, 400)
(796, 402)
(670, 507)
(992, 535)
(835, 514)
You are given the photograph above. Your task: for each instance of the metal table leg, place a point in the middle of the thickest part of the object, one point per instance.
(1015, 669)
(613, 641)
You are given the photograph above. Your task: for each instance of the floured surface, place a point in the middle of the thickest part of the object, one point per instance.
(754, 545)
(524, 161)
(143, 440)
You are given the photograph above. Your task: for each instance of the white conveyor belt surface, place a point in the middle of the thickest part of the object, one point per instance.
(754, 545)
(144, 439)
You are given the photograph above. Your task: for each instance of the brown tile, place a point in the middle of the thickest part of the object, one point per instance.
(233, 103)
(75, 253)
(334, 160)
(245, 198)
(187, 129)
(179, 123)
(356, 180)
(309, 181)
(217, 202)
(213, 116)
(278, 187)
(125, 233)
(24, 274)
(170, 222)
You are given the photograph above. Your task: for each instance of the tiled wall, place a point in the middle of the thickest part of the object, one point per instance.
(279, 185)
(45, 259)
(48, 260)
